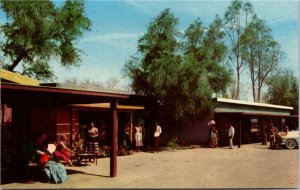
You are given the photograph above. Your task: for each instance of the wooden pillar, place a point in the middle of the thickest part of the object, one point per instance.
(147, 126)
(131, 127)
(72, 130)
(240, 133)
(114, 142)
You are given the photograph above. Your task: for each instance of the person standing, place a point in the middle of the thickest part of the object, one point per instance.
(210, 123)
(127, 141)
(213, 136)
(138, 136)
(272, 132)
(93, 145)
(264, 136)
(157, 133)
(230, 135)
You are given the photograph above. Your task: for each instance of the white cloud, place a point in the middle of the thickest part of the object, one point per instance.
(120, 40)
(112, 36)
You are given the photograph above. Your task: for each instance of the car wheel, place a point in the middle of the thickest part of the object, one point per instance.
(290, 144)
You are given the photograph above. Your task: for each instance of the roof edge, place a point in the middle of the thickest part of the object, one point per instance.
(241, 102)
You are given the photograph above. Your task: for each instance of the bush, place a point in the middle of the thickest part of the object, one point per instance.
(173, 144)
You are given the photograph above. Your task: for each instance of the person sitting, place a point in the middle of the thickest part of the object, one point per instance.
(285, 131)
(78, 145)
(52, 171)
(62, 152)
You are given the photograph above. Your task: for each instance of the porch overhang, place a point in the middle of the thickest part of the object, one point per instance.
(106, 106)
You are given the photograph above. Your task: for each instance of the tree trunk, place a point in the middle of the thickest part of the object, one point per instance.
(237, 97)
(16, 62)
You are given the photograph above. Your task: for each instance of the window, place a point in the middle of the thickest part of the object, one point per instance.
(254, 125)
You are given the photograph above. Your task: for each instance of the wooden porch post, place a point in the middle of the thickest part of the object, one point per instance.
(114, 142)
(131, 127)
(240, 133)
(71, 126)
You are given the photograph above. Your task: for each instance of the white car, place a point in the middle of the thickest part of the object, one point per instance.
(291, 140)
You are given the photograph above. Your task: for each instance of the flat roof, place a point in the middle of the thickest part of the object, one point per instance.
(17, 78)
(240, 102)
(26, 95)
(107, 106)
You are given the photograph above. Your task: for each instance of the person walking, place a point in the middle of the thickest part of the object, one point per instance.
(157, 133)
(230, 135)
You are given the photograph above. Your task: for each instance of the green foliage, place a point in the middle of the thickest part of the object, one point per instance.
(37, 31)
(283, 89)
(173, 144)
(236, 19)
(39, 70)
(180, 70)
(261, 52)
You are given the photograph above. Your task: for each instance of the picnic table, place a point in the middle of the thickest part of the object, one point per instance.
(86, 156)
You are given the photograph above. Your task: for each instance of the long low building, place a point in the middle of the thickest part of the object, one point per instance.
(251, 119)
(28, 107)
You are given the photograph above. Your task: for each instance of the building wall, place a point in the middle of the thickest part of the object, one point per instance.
(43, 119)
(195, 132)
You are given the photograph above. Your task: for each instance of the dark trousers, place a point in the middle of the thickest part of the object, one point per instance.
(156, 142)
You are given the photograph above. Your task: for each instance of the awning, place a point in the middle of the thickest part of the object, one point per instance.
(107, 106)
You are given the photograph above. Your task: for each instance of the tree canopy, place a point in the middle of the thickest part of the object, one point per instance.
(283, 89)
(262, 54)
(236, 19)
(37, 31)
(181, 71)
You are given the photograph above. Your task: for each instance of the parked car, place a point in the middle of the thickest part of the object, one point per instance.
(291, 140)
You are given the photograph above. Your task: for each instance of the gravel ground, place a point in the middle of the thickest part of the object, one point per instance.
(251, 166)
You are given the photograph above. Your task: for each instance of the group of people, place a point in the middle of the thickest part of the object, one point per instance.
(214, 137)
(138, 136)
(273, 134)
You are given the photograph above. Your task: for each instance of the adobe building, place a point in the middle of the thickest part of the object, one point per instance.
(251, 119)
(28, 107)
(248, 119)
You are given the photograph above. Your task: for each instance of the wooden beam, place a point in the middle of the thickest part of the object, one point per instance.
(114, 141)
(240, 133)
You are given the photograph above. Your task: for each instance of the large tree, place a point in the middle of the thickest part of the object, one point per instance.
(181, 75)
(262, 54)
(283, 89)
(154, 69)
(236, 19)
(203, 72)
(37, 31)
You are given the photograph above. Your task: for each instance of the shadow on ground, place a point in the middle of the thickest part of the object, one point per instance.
(74, 171)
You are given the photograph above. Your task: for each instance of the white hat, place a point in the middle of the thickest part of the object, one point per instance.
(212, 122)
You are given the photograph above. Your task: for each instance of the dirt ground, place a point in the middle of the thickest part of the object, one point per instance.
(251, 166)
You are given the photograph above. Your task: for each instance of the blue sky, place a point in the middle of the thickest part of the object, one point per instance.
(117, 25)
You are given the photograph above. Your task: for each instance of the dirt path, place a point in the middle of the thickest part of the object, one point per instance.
(252, 166)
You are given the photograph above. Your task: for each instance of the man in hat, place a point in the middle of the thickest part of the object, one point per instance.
(210, 123)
